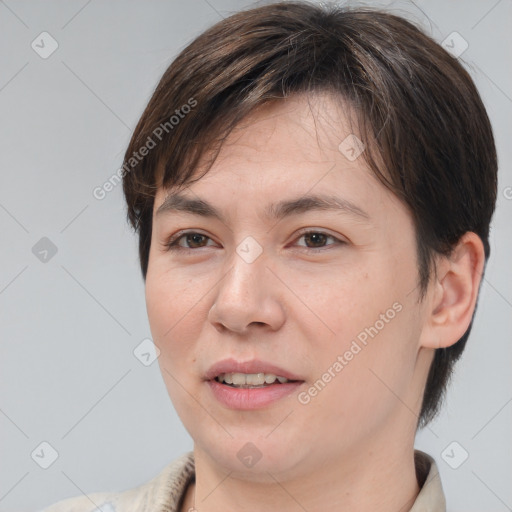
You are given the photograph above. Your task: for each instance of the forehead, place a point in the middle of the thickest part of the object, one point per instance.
(301, 147)
(298, 126)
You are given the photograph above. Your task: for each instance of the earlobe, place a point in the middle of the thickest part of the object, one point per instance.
(454, 293)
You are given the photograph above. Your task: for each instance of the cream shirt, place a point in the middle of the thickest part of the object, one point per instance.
(165, 492)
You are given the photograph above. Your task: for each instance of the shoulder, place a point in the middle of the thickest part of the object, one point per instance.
(162, 493)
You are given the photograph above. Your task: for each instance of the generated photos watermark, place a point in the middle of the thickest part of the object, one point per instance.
(357, 345)
(101, 191)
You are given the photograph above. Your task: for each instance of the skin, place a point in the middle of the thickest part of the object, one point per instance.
(351, 447)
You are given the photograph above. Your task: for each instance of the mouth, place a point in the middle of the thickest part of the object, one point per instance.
(251, 384)
(254, 373)
(251, 380)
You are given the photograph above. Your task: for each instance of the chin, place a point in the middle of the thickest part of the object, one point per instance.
(254, 457)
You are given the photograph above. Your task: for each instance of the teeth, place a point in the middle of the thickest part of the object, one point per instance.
(249, 379)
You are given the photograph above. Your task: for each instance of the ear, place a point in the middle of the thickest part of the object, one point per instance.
(454, 293)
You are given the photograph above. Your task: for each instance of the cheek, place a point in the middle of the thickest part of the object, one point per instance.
(171, 318)
(370, 347)
(368, 379)
(171, 291)
(339, 304)
(158, 305)
(171, 304)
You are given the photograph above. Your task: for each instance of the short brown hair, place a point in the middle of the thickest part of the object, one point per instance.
(428, 137)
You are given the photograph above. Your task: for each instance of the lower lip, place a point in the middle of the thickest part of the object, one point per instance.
(247, 398)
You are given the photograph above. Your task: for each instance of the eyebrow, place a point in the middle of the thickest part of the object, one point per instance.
(274, 211)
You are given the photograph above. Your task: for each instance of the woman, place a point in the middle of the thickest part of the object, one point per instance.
(312, 188)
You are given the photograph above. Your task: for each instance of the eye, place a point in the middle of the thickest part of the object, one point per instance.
(191, 237)
(318, 238)
(195, 240)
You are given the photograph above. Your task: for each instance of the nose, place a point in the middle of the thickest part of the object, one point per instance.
(247, 297)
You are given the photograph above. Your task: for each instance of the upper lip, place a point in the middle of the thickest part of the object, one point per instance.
(252, 366)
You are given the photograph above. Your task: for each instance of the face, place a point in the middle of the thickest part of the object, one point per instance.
(328, 297)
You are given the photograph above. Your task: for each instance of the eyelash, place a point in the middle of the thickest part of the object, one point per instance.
(172, 242)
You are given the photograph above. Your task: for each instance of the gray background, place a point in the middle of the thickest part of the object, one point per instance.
(69, 325)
